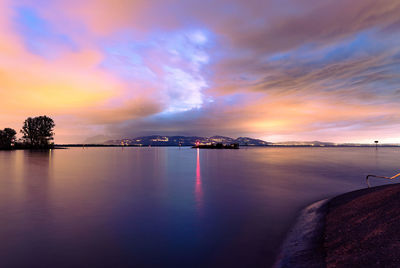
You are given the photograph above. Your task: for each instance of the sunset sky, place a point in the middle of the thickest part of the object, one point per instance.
(278, 70)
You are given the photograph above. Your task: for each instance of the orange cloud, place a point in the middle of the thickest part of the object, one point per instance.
(283, 60)
(69, 86)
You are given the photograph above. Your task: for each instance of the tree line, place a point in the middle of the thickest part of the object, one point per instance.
(38, 133)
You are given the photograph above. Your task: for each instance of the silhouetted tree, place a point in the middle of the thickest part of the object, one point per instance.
(7, 138)
(38, 131)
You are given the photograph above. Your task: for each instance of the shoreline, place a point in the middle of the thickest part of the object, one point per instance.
(303, 245)
(243, 146)
(351, 229)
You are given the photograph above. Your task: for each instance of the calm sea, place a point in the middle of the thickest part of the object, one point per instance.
(167, 207)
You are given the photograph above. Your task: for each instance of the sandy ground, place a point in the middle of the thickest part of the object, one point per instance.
(362, 228)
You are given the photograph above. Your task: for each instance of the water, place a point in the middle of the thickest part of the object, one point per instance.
(167, 207)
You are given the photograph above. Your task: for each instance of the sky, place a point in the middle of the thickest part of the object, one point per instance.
(279, 70)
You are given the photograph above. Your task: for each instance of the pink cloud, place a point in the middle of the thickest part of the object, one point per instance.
(188, 82)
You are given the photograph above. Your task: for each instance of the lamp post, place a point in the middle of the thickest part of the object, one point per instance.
(376, 144)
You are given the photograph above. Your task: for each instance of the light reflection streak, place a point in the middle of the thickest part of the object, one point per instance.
(198, 188)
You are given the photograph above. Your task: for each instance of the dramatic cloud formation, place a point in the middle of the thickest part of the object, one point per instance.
(277, 70)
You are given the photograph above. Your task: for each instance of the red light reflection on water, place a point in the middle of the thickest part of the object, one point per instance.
(198, 188)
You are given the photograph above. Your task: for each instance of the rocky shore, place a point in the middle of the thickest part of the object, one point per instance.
(356, 229)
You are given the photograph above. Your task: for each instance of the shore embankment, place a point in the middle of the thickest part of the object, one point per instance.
(356, 229)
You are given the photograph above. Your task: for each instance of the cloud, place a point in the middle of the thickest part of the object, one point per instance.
(128, 110)
(273, 69)
(271, 118)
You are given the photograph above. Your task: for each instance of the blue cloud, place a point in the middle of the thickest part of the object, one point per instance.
(38, 34)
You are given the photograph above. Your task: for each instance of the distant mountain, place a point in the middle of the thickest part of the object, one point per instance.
(98, 139)
(186, 141)
(157, 140)
(251, 142)
(330, 144)
(305, 143)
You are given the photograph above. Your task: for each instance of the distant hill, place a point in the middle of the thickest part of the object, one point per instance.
(186, 141)
(305, 143)
(157, 140)
(330, 144)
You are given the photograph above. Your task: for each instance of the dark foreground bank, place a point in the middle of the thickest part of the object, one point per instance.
(356, 229)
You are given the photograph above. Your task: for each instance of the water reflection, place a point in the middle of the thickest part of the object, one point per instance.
(36, 167)
(198, 188)
(161, 207)
(26, 213)
(29, 168)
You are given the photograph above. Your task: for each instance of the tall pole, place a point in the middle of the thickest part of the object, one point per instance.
(376, 144)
